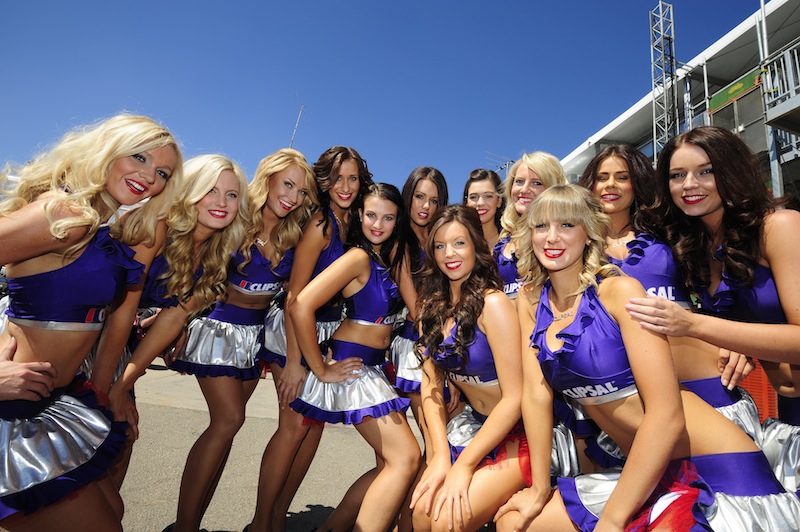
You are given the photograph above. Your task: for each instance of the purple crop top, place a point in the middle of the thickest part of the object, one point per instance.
(759, 303)
(378, 302)
(479, 369)
(592, 366)
(651, 262)
(507, 267)
(154, 293)
(334, 250)
(75, 297)
(259, 277)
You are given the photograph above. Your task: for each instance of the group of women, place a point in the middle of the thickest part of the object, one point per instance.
(570, 353)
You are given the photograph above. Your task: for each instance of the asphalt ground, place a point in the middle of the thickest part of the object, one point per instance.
(173, 414)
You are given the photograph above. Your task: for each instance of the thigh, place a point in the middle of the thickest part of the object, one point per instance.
(389, 435)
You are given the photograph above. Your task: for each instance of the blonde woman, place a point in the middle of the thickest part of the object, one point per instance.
(527, 178)
(54, 244)
(222, 347)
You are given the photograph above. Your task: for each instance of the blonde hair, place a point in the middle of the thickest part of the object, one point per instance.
(202, 173)
(74, 174)
(571, 204)
(544, 165)
(287, 232)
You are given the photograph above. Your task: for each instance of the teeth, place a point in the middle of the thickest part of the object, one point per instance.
(136, 186)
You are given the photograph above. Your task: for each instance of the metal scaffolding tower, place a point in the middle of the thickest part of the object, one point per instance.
(664, 67)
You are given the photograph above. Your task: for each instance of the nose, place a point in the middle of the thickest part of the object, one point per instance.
(293, 195)
(690, 181)
(552, 234)
(480, 200)
(448, 251)
(148, 173)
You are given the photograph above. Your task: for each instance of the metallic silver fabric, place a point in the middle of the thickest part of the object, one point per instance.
(368, 387)
(463, 427)
(406, 364)
(780, 443)
(59, 439)
(325, 329)
(57, 325)
(275, 330)
(3, 316)
(745, 414)
(217, 343)
(87, 366)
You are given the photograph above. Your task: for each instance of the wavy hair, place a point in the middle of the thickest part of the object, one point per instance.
(287, 232)
(202, 173)
(745, 199)
(544, 165)
(417, 175)
(435, 307)
(482, 174)
(642, 176)
(388, 257)
(327, 168)
(74, 174)
(570, 204)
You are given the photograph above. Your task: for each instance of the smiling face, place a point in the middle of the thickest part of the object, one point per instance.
(524, 188)
(483, 197)
(378, 219)
(424, 203)
(287, 190)
(454, 251)
(345, 185)
(692, 184)
(613, 186)
(559, 245)
(219, 206)
(143, 175)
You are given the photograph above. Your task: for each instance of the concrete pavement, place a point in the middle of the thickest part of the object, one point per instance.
(173, 414)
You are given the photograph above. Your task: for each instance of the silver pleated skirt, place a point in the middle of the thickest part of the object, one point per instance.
(367, 394)
(739, 494)
(216, 348)
(407, 367)
(51, 448)
(781, 445)
(463, 427)
(274, 340)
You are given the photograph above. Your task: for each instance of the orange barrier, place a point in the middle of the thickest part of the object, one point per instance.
(759, 387)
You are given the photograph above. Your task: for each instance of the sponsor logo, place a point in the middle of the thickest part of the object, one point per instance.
(595, 390)
(667, 292)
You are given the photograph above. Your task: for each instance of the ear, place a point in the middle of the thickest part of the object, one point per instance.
(360, 215)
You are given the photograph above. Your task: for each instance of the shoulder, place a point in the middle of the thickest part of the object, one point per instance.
(783, 222)
(619, 289)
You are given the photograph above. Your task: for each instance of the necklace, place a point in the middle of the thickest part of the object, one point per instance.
(563, 315)
(620, 240)
(338, 221)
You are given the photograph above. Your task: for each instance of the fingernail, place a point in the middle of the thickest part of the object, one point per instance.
(724, 382)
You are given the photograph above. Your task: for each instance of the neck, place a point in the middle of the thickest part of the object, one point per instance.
(620, 225)
(490, 232)
(565, 284)
(455, 292)
(713, 225)
(421, 232)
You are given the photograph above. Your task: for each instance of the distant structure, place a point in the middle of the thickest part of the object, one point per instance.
(748, 81)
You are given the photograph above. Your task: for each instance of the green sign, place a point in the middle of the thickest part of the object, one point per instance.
(734, 91)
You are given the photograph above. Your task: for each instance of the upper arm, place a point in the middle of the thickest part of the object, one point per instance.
(534, 383)
(407, 289)
(648, 353)
(350, 271)
(306, 255)
(498, 320)
(25, 234)
(782, 251)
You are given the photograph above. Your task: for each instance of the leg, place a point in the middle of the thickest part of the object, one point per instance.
(396, 445)
(226, 399)
(119, 468)
(85, 509)
(287, 456)
(344, 516)
(554, 517)
(404, 518)
(490, 488)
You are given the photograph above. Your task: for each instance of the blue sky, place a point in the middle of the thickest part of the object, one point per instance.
(452, 84)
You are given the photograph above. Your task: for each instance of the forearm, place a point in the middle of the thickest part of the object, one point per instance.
(304, 332)
(497, 426)
(537, 416)
(767, 341)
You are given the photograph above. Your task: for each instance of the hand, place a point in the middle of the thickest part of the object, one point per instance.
(734, 367)
(24, 380)
(453, 498)
(339, 370)
(123, 407)
(432, 479)
(455, 398)
(528, 503)
(662, 316)
(290, 383)
(177, 348)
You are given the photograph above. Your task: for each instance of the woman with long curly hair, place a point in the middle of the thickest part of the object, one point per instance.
(738, 251)
(466, 325)
(687, 465)
(527, 178)
(57, 449)
(352, 388)
(342, 177)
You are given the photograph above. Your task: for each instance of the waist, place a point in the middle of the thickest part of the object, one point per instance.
(342, 349)
(256, 289)
(712, 391)
(238, 315)
(57, 325)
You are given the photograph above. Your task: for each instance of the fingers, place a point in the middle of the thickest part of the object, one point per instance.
(7, 352)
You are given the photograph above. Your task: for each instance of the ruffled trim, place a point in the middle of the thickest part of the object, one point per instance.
(119, 255)
(201, 370)
(407, 386)
(55, 489)
(387, 284)
(350, 417)
(584, 316)
(636, 249)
